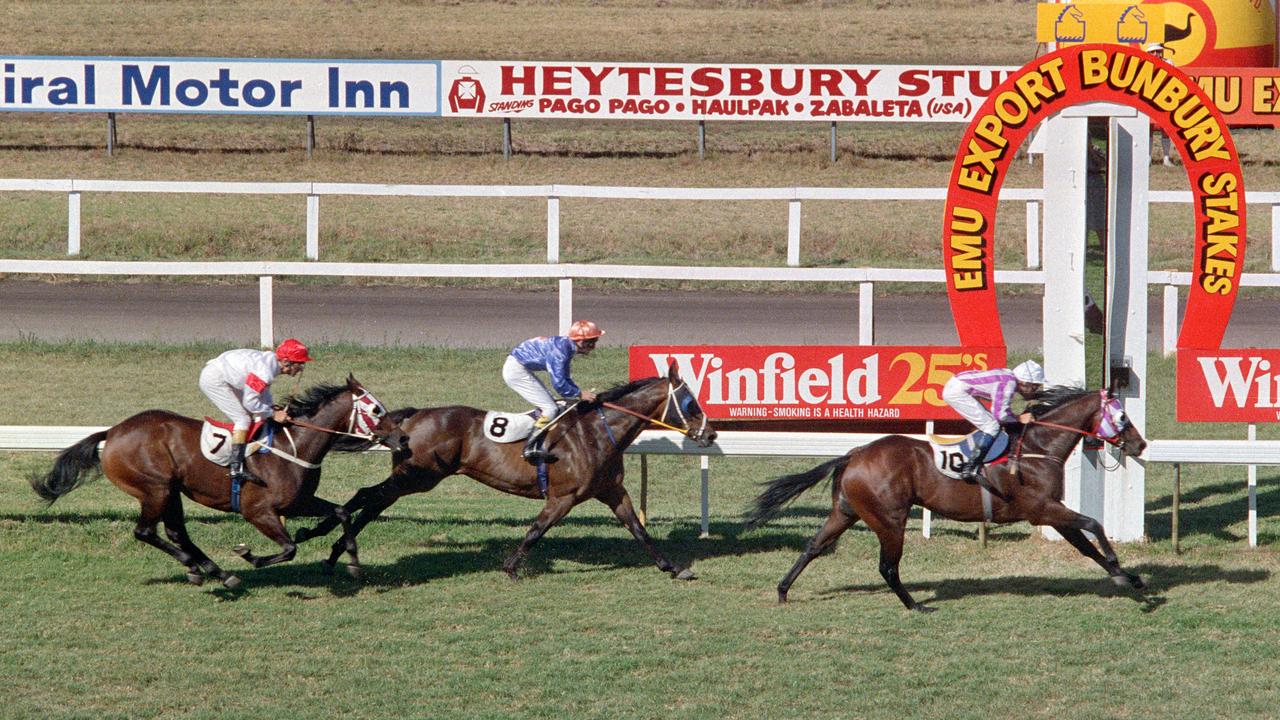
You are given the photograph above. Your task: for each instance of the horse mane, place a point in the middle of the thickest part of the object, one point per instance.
(312, 400)
(1053, 397)
(617, 391)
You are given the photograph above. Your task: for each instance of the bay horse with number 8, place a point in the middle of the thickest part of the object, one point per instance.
(880, 482)
(155, 457)
(588, 441)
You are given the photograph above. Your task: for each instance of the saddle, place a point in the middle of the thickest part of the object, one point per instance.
(950, 452)
(215, 440)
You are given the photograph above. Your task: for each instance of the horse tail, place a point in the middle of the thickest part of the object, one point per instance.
(70, 469)
(780, 491)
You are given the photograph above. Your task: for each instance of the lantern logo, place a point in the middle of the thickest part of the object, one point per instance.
(466, 93)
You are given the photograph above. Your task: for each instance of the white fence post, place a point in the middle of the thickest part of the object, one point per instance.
(553, 229)
(866, 314)
(926, 515)
(566, 304)
(1170, 340)
(266, 313)
(706, 496)
(73, 223)
(793, 233)
(1275, 238)
(1253, 492)
(1033, 234)
(313, 227)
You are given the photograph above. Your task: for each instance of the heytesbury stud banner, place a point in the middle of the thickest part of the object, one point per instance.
(815, 382)
(673, 91)
(1096, 73)
(220, 86)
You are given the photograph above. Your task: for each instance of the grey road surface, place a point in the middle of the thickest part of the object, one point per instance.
(458, 317)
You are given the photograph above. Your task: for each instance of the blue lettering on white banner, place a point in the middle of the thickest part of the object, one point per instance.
(216, 86)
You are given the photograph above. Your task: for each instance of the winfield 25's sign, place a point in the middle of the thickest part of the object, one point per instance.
(219, 86)
(1240, 385)
(815, 382)
(672, 91)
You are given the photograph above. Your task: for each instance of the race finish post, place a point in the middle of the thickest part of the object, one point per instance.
(1131, 88)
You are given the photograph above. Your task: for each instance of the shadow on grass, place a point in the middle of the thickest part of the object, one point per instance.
(1160, 579)
(1199, 515)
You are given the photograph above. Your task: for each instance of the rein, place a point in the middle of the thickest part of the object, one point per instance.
(642, 416)
(671, 390)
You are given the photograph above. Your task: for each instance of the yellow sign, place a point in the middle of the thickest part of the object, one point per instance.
(1099, 22)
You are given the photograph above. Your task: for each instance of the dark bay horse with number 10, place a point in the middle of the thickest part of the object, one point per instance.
(155, 457)
(588, 443)
(881, 481)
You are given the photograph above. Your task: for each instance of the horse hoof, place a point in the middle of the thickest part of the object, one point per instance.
(686, 574)
(231, 582)
(782, 598)
(356, 572)
(195, 578)
(242, 550)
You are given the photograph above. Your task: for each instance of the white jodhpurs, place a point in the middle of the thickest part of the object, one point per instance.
(528, 386)
(954, 393)
(225, 398)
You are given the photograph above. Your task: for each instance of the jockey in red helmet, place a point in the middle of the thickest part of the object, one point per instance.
(238, 382)
(553, 355)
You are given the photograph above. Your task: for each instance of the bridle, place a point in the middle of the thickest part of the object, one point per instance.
(684, 407)
(1106, 429)
(360, 422)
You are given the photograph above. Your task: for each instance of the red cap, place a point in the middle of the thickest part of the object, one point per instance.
(293, 351)
(584, 330)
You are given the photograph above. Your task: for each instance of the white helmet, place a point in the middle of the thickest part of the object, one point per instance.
(1030, 372)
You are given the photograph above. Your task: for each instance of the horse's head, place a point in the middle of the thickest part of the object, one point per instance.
(369, 417)
(1090, 413)
(682, 410)
(1114, 426)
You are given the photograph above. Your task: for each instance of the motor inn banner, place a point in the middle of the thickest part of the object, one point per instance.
(220, 86)
(815, 382)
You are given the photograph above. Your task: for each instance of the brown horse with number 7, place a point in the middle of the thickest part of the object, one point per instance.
(880, 482)
(155, 457)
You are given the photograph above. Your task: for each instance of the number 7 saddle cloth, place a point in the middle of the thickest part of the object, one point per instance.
(215, 440)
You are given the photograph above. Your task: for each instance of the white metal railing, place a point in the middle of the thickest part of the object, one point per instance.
(552, 193)
(1251, 453)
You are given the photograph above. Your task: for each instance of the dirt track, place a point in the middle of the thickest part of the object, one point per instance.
(494, 318)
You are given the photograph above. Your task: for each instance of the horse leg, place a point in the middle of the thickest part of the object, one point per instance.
(268, 523)
(200, 566)
(369, 502)
(891, 528)
(153, 509)
(556, 508)
(619, 501)
(837, 522)
(1070, 523)
(333, 514)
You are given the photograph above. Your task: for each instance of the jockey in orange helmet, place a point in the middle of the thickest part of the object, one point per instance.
(554, 355)
(238, 382)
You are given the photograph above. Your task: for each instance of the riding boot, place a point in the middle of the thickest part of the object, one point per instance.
(533, 449)
(238, 473)
(972, 467)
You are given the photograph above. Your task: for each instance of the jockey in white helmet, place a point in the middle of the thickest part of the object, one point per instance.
(553, 355)
(238, 382)
(964, 391)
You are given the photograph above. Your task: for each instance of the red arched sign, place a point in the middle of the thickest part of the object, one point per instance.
(1095, 73)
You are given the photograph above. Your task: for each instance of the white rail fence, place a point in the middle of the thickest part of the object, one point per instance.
(1245, 452)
